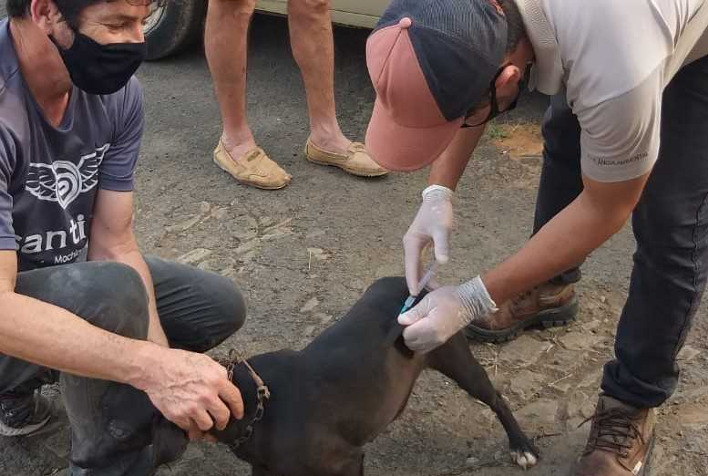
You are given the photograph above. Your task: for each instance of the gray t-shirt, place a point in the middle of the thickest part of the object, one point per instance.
(49, 175)
(614, 59)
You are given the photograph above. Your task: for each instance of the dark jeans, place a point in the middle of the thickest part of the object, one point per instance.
(116, 431)
(670, 226)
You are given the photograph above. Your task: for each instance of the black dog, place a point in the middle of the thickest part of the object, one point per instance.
(330, 399)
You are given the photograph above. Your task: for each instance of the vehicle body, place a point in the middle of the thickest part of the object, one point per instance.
(178, 23)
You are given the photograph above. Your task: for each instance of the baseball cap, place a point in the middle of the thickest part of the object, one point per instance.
(430, 62)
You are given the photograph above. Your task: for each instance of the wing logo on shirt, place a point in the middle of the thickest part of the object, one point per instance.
(63, 181)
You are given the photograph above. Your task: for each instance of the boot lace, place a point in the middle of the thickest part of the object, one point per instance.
(616, 432)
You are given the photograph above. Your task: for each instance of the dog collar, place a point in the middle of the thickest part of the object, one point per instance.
(262, 395)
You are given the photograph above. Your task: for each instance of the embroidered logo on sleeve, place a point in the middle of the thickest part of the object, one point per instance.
(615, 162)
(63, 181)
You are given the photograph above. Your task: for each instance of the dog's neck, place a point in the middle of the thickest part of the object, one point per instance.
(243, 380)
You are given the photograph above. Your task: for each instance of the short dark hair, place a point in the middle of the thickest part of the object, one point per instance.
(17, 8)
(70, 9)
(515, 24)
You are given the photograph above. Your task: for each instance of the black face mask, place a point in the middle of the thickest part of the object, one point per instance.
(101, 69)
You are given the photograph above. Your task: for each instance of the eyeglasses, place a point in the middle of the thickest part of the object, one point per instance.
(493, 101)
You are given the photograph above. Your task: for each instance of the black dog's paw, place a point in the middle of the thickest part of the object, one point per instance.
(524, 454)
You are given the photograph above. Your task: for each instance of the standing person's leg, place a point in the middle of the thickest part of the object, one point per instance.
(561, 178)
(668, 279)
(226, 44)
(671, 226)
(553, 303)
(312, 42)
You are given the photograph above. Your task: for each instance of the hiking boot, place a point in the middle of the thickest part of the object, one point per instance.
(23, 414)
(620, 441)
(546, 305)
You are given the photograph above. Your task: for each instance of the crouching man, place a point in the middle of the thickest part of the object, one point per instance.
(76, 296)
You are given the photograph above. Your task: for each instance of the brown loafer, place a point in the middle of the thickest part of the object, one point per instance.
(255, 168)
(620, 442)
(356, 161)
(547, 305)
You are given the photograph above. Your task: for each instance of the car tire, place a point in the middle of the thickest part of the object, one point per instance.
(174, 25)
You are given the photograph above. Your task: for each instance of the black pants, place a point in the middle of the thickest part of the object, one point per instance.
(116, 431)
(670, 226)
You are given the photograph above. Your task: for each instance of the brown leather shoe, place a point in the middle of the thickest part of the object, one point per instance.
(547, 305)
(620, 441)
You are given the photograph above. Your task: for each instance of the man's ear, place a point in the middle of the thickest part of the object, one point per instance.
(509, 77)
(46, 15)
(42, 14)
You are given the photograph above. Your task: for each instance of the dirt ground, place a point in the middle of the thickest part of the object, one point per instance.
(303, 255)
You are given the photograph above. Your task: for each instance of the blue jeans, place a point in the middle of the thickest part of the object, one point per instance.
(116, 431)
(670, 226)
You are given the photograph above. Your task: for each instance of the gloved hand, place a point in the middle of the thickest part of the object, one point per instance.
(432, 223)
(443, 313)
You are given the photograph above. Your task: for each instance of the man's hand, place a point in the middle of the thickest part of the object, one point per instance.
(443, 313)
(432, 223)
(192, 391)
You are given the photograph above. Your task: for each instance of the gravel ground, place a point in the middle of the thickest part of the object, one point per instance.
(303, 255)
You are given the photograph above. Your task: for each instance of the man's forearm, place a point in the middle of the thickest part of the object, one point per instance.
(49, 336)
(451, 164)
(562, 244)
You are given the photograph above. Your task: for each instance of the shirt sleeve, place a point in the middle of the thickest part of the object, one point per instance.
(118, 167)
(7, 164)
(620, 136)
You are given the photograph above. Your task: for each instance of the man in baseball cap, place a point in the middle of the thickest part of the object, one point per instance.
(429, 66)
(625, 135)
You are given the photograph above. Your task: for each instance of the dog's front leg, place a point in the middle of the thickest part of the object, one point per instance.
(455, 360)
